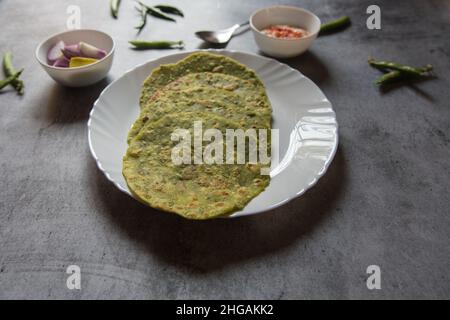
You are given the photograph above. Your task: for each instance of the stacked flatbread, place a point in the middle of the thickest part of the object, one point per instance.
(221, 93)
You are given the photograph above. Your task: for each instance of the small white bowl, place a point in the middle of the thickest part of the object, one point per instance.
(284, 15)
(79, 76)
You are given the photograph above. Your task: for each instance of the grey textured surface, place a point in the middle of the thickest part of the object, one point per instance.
(385, 200)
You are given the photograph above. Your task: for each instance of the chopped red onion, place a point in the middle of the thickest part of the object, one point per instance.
(89, 51)
(55, 52)
(62, 62)
(71, 51)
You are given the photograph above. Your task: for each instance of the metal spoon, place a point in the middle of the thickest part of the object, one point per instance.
(220, 36)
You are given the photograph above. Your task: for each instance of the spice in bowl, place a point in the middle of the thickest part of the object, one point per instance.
(281, 31)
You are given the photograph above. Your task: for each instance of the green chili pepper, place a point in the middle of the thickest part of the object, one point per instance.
(143, 45)
(335, 25)
(170, 9)
(115, 8)
(143, 12)
(383, 65)
(390, 77)
(159, 14)
(10, 79)
(396, 75)
(9, 70)
(156, 12)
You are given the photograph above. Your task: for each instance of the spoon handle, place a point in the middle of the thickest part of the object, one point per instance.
(237, 26)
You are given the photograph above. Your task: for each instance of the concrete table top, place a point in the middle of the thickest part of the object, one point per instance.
(385, 200)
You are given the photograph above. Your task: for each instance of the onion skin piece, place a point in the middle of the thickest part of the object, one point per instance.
(90, 51)
(62, 63)
(71, 51)
(55, 52)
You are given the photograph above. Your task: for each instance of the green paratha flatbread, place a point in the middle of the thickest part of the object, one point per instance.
(195, 63)
(249, 109)
(194, 191)
(224, 94)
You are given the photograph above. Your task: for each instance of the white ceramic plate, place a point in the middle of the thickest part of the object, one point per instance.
(308, 135)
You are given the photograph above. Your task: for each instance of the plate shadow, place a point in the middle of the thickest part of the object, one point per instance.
(69, 105)
(308, 64)
(208, 246)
